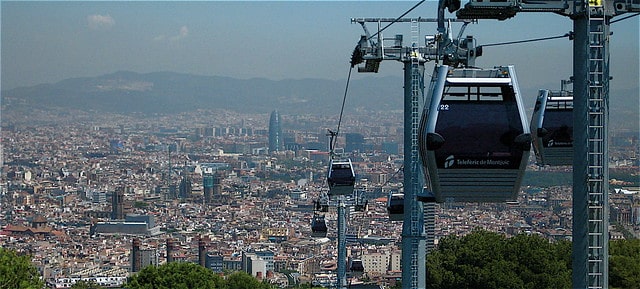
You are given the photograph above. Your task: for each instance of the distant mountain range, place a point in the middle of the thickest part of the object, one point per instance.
(126, 92)
(167, 92)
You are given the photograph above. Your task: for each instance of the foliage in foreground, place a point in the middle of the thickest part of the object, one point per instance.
(624, 264)
(485, 259)
(17, 272)
(182, 275)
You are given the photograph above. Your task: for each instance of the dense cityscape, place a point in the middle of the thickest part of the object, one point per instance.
(103, 196)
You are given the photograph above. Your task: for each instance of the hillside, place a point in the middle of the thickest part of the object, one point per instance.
(131, 93)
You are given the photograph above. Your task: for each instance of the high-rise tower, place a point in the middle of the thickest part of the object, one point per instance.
(117, 204)
(185, 187)
(276, 142)
(207, 184)
(136, 263)
(169, 250)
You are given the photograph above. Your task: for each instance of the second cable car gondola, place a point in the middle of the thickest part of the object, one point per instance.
(473, 137)
(318, 227)
(321, 205)
(341, 177)
(395, 206)
(552, 128)
(356, 268)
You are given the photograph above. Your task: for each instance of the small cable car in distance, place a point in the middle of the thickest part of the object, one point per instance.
(474, 139)
(552, 128)
(360, 204)
(341, 177)
(395, 206)
(318, 226)
(356, 268)
(321, 205)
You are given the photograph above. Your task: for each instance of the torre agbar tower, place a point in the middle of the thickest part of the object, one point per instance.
(275, 133)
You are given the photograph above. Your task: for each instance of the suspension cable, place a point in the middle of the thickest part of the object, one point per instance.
(529, 40)
(400, 169)
(397, 19)
(334, 135)
(344, 99)
(623, 18)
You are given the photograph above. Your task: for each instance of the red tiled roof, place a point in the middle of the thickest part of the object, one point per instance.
(16, 228)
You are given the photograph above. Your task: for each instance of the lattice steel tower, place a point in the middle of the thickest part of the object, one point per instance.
(591, 20)
(414, 58)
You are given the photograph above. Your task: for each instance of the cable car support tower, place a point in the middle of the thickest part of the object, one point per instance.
(591, 19)
(371, 50)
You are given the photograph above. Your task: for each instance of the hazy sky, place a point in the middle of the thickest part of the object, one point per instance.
(45, 42)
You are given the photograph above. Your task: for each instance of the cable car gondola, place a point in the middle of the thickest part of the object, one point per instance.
(356, 268)
(552, 128)
(318, 227)
(395, 206)
(474, 139)
(360, 204)
(341, 177)
(321, 205)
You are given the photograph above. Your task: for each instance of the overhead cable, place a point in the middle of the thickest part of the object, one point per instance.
(623, 18)
(396, 20)
(570, 35)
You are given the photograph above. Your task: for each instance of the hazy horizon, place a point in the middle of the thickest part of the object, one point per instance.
(46, 42)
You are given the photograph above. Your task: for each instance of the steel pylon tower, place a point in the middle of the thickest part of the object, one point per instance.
(591, 20)
(591, 179)
(413, 57)
(413, 238)
(342, 245)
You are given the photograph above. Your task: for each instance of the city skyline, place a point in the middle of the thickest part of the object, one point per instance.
(228, 178)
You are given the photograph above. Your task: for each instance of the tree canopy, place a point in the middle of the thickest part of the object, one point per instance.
(485, 259)
(175, 275)
(624, 264)
(242, 280)
(182, 275)
(17, 272)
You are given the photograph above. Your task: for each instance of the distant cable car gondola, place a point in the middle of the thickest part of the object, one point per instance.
(341, 177)
(356, 268)
(360, 204)
(318, 227)
(552, 128)
(321, 205)
(474, 139)
(395, 206)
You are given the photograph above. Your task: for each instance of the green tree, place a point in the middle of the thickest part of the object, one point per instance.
(624, 264)
(17, 272)
(175, 275)
(484, 259)
(242, 280)
(86, 285)
(182, 275)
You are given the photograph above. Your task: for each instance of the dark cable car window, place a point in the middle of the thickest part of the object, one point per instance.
(341, 172)
(356, 265)
(464, 93)
(559, 126)
(479, 134)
